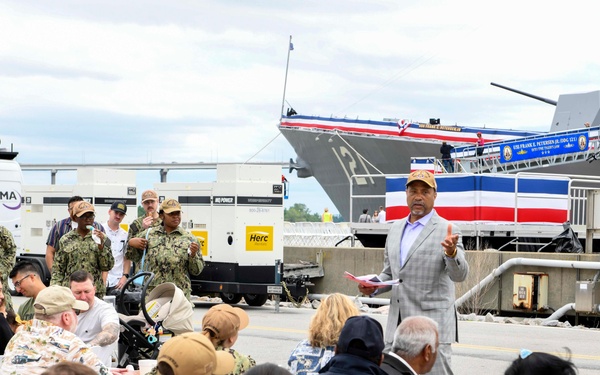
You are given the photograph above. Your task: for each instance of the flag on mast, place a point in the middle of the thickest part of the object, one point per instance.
(291, 46)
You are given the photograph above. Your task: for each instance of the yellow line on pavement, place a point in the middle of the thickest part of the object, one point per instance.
(516, 351)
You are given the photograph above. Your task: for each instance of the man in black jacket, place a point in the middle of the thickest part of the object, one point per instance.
(445, 150)
(359, 348)
(414, 349)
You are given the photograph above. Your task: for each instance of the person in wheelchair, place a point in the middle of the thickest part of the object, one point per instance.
(221, 325)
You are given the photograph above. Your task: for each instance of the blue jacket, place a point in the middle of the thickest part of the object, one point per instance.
(351, 364)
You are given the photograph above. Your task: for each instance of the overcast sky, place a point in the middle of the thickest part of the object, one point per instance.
(163, 81)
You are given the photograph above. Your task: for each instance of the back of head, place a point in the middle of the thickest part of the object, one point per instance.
(223, 321)
(69, 368)
(540, 364)
(362, 336)
(193, 354)
(413, 334)
(268, 369)
(327, 323)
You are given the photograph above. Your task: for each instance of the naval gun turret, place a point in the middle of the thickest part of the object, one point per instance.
(572, 111)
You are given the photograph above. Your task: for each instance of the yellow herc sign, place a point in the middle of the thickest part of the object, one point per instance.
(259, 238)
(202, 236)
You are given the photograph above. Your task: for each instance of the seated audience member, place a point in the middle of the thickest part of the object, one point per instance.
(193, 353)
(221, 325)
(268, 369)
(26, 279)
(99, 326)
(49, 337)
(325, 326)
(6, 332)
(538, 363)
(359, 349)
(414, 349)
(69, 368)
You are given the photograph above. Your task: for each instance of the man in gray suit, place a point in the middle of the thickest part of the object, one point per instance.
(424, 252)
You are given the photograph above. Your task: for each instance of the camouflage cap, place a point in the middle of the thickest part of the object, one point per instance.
(170, 205)
(420, 175)
(82, 207)
(55, 299)
(149, 195)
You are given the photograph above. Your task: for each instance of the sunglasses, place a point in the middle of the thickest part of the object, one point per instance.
(77, 311)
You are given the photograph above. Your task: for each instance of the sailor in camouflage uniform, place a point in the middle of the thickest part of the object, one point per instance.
(7, 261)
(171, 252)
(221, 325)
(151, 219)
(78, 251)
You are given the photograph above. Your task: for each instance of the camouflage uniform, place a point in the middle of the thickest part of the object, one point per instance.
(167, 257)
(38, 345)
(7, 261)
(243, 362)
(81, 253)
(136, 227)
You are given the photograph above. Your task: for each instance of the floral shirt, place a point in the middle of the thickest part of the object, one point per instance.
(38, 345)
(308, 360)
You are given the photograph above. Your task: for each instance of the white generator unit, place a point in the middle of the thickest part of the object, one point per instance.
(45, 205)
(238, 220)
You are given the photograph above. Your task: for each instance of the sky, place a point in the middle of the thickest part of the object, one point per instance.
(186, 81)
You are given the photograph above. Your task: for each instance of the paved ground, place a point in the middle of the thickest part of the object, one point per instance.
(484, 347)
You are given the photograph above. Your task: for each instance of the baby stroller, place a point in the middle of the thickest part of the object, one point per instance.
(167, 312)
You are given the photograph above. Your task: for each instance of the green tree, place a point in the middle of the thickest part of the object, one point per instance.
(299, 213)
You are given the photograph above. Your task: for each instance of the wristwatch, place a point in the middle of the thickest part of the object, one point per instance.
(126, 275)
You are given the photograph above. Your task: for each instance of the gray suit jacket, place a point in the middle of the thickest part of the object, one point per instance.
(427, 278)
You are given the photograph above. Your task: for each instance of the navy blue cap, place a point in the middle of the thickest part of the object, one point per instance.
(361, 336)
(119, 207)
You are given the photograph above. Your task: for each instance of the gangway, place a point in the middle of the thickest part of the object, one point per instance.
(493, 161)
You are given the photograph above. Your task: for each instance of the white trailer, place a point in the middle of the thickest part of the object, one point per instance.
(238, 220)
(45, 205)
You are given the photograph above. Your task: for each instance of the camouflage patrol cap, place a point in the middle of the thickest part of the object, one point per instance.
(421, 175)
(82, 207)
(170, 205)
(149, 195)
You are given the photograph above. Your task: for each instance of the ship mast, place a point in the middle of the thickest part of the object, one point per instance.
(287, 65)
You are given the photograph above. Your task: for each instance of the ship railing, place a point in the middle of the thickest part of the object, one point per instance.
(317, 234)
(490, 161)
